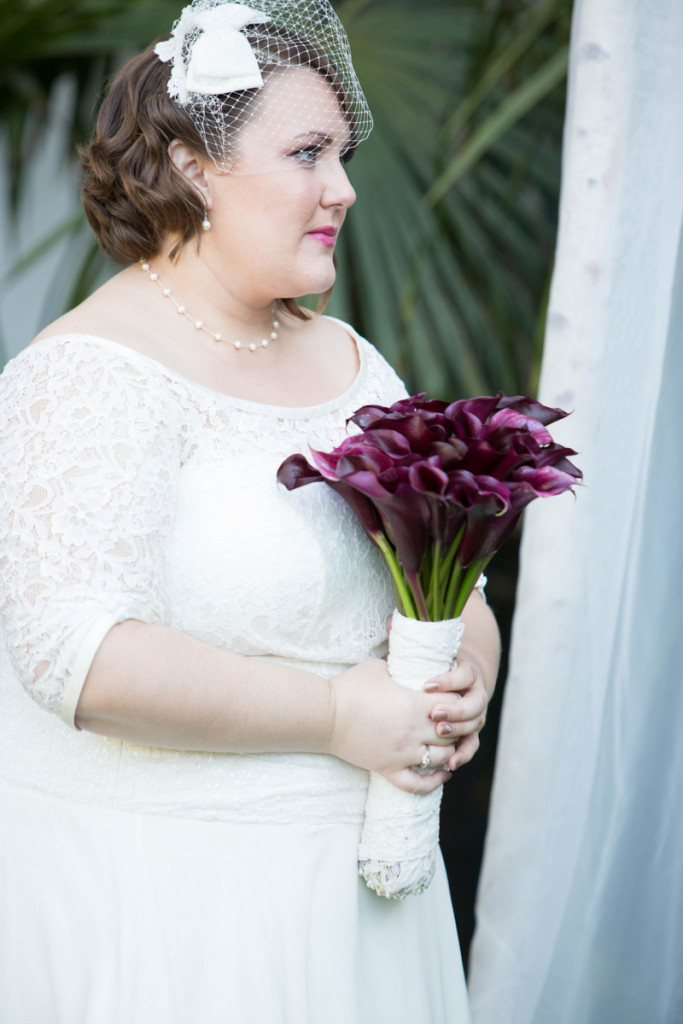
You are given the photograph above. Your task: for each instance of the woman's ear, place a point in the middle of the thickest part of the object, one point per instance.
(191, 166)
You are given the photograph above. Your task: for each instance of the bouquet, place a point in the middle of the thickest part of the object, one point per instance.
(438, 488)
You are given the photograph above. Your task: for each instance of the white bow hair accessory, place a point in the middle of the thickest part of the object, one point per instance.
(220, 58)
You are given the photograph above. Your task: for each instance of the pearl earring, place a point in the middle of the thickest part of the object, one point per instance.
(206, 223)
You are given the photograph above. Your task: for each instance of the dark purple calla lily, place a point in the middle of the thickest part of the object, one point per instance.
(392, 442)
(545, 480)
(429, 480)
(439, 487)
(511, 418)
(472, 409)
(404, 512)
(532, 409)
(296, 472)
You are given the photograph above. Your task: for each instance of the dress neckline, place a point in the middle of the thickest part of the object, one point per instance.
(282, 411)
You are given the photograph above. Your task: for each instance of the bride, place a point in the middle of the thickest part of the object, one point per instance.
(181, 801)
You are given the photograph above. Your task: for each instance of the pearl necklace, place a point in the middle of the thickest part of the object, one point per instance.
(199, 324)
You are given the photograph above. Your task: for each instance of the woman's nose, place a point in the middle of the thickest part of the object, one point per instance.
(338, 190)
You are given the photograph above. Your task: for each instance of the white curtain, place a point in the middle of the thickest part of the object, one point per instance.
(580, 908)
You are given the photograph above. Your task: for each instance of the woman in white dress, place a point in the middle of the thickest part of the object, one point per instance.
(181, 801)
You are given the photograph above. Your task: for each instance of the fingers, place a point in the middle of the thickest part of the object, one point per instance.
(413, 782)
(433, 757)
(410, 781)
(449, 732)
(467, 748)
(461, 677)
(452, 758)
(466, 706)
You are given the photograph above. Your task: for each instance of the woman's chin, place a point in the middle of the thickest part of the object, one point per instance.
(317, 284)
(314, 289)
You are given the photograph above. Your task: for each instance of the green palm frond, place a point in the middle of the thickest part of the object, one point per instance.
(41, 41)
(453, 234)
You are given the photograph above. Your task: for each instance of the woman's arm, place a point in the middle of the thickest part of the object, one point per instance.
(158, 686)
(154, 685)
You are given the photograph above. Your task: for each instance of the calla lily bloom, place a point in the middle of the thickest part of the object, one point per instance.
(439, 487)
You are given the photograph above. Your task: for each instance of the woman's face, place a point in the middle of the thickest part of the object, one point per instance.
(275, 218)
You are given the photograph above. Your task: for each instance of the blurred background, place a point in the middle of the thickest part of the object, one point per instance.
(444, 263)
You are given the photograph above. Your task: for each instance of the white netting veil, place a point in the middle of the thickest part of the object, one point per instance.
(284, 64)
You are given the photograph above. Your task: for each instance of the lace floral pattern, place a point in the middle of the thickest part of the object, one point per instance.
(78, 447)
(127, 491)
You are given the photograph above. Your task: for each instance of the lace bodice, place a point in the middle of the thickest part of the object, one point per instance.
(127, 491)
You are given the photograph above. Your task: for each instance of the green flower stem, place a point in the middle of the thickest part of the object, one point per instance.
(467, 586)
(424, 575)
(435, 591)
(452, 590)
(416, 590)
(402, 589)
(447, 563)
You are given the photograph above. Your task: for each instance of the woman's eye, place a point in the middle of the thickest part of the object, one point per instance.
(307, 154)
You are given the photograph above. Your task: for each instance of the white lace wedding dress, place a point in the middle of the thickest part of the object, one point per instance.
(147, 886)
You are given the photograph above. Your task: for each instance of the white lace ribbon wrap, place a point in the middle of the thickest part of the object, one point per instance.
(400, 836)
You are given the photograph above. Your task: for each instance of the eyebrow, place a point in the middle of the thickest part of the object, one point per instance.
(323, 138)
(318, 136)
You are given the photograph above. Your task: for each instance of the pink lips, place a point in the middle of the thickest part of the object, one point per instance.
(325, 236)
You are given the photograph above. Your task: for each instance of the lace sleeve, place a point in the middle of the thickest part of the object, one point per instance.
(87, 478)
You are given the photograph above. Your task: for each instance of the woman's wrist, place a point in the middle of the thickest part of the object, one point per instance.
(484, 668)
(481, 641)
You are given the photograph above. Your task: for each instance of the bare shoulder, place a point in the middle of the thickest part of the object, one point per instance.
(103, 314)
(337, 331)
(335, 341)
(73, 322)
(319, 356)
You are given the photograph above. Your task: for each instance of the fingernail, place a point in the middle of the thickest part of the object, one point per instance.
(431, 687)
(445, 729)
(440, 716)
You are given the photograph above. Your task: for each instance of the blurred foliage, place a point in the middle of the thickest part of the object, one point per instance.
(42, 40)
(446, 258)
(448, 253)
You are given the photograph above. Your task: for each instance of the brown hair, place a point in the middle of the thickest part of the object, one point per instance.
(131, 190)
(132, 193)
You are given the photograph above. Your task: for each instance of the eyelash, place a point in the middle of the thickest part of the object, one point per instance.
(307, 156)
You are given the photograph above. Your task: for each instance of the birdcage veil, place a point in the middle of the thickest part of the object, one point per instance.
(224, 55)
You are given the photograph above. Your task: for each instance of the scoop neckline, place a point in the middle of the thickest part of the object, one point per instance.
(290, 411)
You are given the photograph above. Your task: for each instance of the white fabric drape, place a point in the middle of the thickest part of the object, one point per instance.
(580, 909)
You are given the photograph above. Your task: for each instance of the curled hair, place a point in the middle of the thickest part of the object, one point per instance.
(132, 193)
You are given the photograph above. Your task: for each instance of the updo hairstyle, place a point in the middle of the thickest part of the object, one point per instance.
(132, 193)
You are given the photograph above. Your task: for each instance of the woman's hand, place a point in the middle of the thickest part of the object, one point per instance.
(384, 727)
(460, 722)
(470, 682)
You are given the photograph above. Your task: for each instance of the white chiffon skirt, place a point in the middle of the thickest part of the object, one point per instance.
(110, 917)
